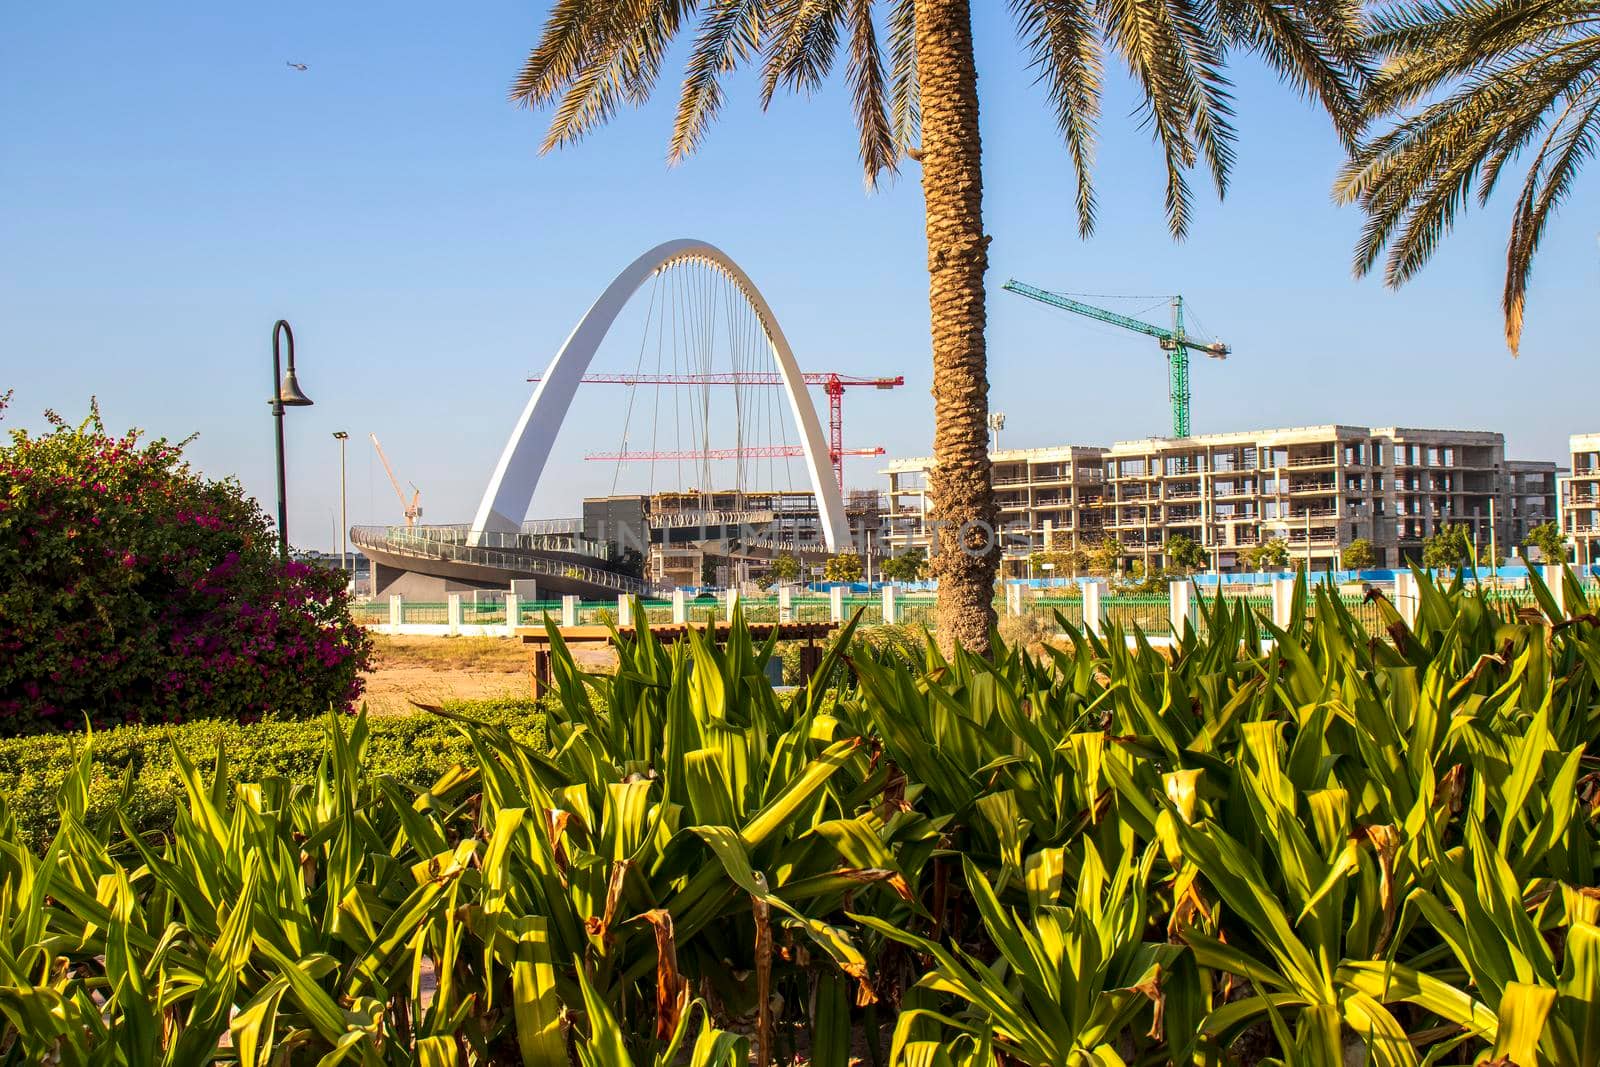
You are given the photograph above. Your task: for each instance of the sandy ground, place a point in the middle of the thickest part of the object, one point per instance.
(432, 670)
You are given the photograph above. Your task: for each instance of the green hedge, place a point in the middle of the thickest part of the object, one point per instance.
(415, 749)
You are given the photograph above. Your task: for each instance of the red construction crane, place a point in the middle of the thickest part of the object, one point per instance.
(832, 384)
(751, 452)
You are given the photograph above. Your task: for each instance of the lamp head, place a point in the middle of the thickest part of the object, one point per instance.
(340, 435)
(290, 394)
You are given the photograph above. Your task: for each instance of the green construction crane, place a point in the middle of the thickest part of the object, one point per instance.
(1174, 342)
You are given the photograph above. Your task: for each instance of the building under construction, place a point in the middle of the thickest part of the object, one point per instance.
(1318, 488)
(722, 537)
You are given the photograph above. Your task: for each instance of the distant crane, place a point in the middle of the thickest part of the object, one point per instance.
(832, 384)
(413, 509)
(1174, 342)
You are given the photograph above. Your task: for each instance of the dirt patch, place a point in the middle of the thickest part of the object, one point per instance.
(432, 670)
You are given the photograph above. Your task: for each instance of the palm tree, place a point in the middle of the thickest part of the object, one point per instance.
(1501, 80)
(911, 75)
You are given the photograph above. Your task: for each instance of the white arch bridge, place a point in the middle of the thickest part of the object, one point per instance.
(710, 308)
(516, 476)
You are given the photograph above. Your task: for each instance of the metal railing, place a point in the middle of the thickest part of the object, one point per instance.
(546, 527)
(461, 534)
(680, 519)
(423, 548)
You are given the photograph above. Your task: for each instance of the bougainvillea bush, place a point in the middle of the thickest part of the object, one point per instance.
(133, 589)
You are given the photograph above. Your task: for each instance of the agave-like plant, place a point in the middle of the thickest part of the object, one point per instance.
(1069, 980)
(1328, 842)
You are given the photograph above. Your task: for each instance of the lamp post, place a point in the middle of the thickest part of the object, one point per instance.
(285, 394)
(997, 422)
(344, 526)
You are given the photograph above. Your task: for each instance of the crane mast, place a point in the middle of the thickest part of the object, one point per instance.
(1174, 342)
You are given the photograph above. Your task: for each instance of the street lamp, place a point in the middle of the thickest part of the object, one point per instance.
(344, 527)
(285, 394)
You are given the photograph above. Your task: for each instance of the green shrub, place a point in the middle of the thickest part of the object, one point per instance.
(414, 749)
(137, 590)
(1341, 848)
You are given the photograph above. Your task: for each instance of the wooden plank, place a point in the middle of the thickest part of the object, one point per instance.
(537, 641)
(537, 635)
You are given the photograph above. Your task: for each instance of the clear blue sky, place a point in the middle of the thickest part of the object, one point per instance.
(171, 187)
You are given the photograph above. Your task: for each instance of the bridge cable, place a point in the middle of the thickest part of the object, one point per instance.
(627, 416)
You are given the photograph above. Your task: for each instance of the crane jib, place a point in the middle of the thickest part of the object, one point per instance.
(1174, 342)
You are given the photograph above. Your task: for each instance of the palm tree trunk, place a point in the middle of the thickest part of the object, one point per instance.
(952, 190)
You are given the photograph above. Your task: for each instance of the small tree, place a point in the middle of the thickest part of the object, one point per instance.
(1270, 555)
(910, 566)
(1359, 555)
(1071, 559)
(1450, 547)
(845, 567)
(784, 568)
(1185, 554)
(1059, 562)
(1105, 556)
(1145, 579)
(1549, 540)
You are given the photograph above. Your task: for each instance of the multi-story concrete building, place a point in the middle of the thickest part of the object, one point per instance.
(1531, 497)
(1580, 498)
(1044, 495)
(1316, 487)
(1321, 487)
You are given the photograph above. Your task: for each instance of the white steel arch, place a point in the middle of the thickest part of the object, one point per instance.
(510, 490)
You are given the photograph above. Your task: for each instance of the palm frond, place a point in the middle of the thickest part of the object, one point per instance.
(1175, 57)
(800, 50)
(1429, 216)
(1502, 78)
(1317, 48)
(569, 35)
(622, 63)
(1448, 143)
(905, 103)
(1064, 44)
(1432, 42)
(1211, 101)
(868, 93)
(730, 33)
(1575, 147)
